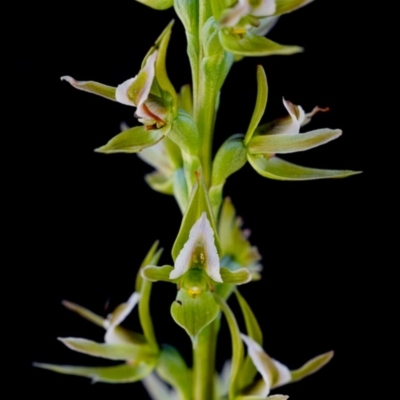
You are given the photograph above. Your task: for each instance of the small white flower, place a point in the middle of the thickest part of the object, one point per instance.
(199, 250)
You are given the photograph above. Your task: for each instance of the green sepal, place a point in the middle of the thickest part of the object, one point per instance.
(160, 183)
(199, 202)
(249, 371)
(157, 4)
(286, 143)
(160, 67)
(261, 103)
(230, 157)
(85, 313)
(133, 140)
(276, 168)
(237, 346)
(152, 257)
(238, 277)
(252, 45)
(184, 133)
(185, 99)
(92, 87)
(124, 373)
(180, 189)
(146, 322)
(118, 351)
(287, 6)
(194, 307)
(311, 366)
(172, 369)
(155, 274)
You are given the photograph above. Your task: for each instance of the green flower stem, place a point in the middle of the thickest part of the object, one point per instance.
(204, 362)
(144, 314)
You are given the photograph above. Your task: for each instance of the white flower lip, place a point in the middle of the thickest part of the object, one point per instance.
(202, 235)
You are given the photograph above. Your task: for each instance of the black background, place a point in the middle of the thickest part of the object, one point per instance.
(86, 220)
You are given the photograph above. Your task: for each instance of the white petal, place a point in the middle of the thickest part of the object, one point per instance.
(298, 116)
(201, 235)
(266, 7)
(119, 314)
(122, 90)
(258, 356)
(284, 376)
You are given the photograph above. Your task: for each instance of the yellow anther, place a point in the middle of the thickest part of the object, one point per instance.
(194, 291)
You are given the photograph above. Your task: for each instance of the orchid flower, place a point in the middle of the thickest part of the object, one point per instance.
(282, 136)
(140, 355)
(150, 92)
(244, 24)
(275, 374)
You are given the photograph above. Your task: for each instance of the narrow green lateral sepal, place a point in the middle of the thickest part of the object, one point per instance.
(92, 87)
(311, 366)
(155, 274)
(157, 4)
(238, 277)
(152, 257)
(287, 143)
(253, 46)
(276, 168)
(161, 71)
(117, 351)
(261, 103)
(85, 313)
(124, 373)
(132, 140)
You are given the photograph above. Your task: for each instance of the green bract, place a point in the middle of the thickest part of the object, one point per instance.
(211, 255)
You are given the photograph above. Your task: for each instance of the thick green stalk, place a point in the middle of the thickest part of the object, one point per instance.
(205, 103)
(204, 362)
